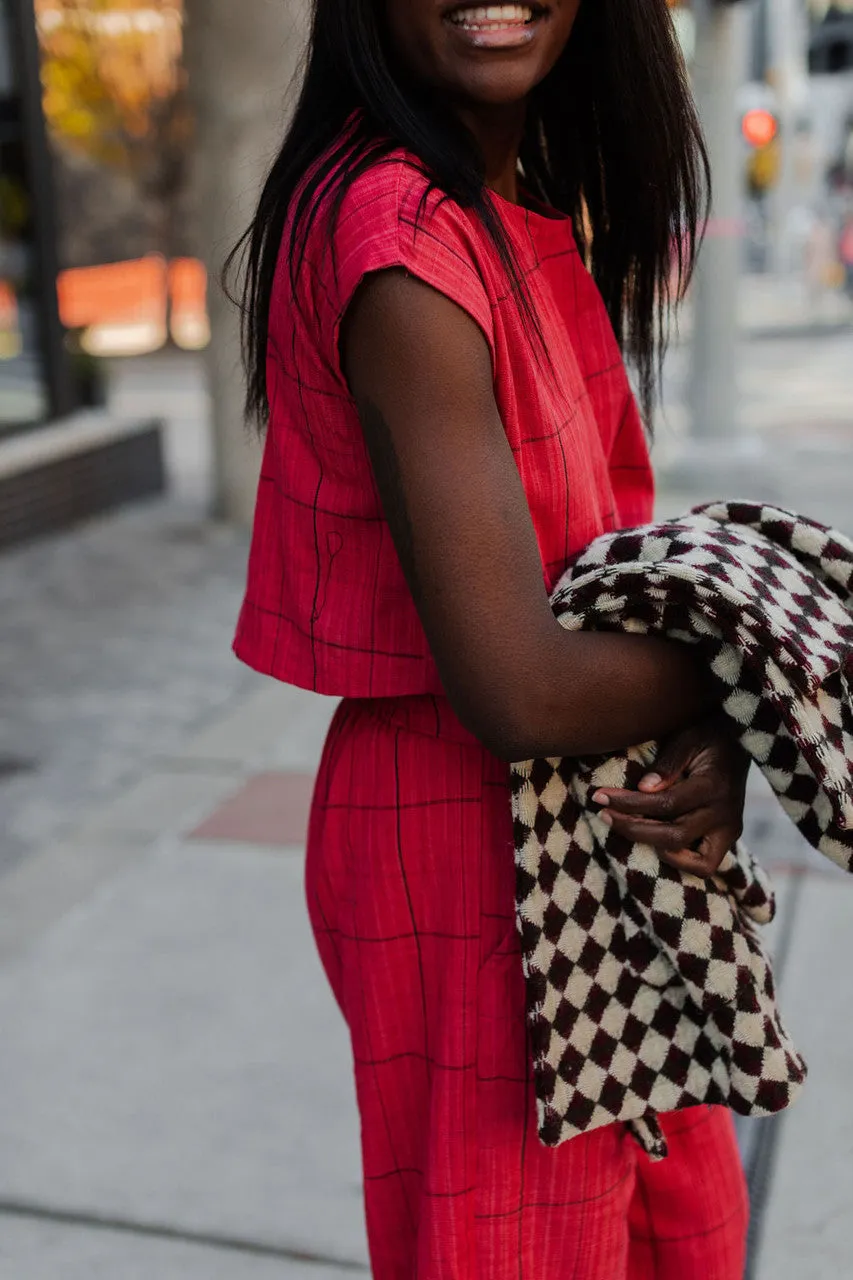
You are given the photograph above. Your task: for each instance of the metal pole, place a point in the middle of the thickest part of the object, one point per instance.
(61, 395)
(719, 70)
(788, 73)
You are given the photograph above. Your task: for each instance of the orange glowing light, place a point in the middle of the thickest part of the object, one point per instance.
(760, 127)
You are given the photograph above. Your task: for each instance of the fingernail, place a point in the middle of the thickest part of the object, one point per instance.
(607, 818)
(600, 798)
(651, 782)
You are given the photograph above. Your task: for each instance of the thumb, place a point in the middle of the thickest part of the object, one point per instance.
(671, 764)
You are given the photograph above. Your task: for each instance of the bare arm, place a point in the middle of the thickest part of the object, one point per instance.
(420, 371)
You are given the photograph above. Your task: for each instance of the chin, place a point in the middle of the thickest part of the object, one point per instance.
(496, 87)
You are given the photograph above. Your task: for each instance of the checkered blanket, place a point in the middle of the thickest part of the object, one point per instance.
(649, 990)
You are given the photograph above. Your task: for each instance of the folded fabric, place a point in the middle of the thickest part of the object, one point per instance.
(649, 990)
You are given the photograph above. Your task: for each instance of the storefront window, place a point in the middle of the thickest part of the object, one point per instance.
(23, 374)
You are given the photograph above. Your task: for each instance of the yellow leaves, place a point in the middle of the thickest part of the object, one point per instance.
(109, 67)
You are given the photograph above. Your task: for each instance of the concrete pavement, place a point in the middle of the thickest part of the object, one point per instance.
(175, 1089)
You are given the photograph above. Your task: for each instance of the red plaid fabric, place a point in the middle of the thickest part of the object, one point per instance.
(410, 883)
(327, 605)
(410, 869)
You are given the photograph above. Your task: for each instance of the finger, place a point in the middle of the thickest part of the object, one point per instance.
(688, 862)
(672, 762)
(717, 844)
(663, 806)
(706, 857)
(670, 836)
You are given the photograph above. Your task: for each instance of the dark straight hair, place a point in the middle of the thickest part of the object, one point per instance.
(612, 139)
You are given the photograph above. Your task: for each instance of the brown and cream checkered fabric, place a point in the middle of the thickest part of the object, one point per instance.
(649, 990)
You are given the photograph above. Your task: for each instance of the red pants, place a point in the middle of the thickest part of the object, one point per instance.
(410, 882)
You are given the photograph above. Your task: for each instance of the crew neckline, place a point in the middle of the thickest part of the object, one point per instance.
(535, 209)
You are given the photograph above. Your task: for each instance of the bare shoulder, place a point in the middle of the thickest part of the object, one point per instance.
(401, 324)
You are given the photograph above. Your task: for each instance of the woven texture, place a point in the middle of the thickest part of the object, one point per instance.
(327, 606)
(649, 990)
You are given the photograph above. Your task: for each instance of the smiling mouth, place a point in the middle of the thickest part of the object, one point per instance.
(495, 18)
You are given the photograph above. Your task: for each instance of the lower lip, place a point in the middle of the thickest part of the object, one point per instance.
(515, 36)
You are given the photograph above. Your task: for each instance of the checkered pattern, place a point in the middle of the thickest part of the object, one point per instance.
(649, 990)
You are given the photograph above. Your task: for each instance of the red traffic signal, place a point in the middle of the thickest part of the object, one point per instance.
(760, 127)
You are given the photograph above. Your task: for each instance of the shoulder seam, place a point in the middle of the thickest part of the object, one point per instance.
(397, 244)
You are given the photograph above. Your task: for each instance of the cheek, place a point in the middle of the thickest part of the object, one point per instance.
(562, 32)
(409, 31)
(564, 23)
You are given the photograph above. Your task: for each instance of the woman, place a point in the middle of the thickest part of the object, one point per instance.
(448, 421)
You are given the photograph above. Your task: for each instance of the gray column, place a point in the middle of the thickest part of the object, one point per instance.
(721, 46)
(242, 56)
(789, 72)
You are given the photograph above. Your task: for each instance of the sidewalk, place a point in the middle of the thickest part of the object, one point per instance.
(175, 1093)
(776, 306)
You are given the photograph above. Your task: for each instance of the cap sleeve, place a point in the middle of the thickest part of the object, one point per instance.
(388, 219)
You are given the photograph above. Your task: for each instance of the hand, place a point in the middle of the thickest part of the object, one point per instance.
(691, 808)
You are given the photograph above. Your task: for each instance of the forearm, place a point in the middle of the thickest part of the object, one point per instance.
(587, 693)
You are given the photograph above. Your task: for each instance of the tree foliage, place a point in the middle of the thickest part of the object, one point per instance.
(113, 79)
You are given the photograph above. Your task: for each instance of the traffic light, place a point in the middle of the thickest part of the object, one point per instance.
(760, 130)
(760, 127)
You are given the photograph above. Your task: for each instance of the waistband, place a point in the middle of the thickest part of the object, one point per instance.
(428, 715)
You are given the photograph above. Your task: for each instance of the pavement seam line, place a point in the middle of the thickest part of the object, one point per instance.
(177, 1235)
(762, 1167)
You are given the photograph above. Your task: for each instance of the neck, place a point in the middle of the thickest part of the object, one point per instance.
(498, 132)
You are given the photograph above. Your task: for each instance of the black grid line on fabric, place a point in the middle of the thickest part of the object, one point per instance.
(326, 393)
(397, 1172)
(389, 1133)
(532, 273)
(423, 230)
(420, 1057)
(470, 1173)
(553, 433)
(692, 1235)
(436, 802)
(642, 1192)
(567, 1203)
(409, 936)
(600, 373)
(287, 496)
(629, 402)
(403, 873)
(567, 486)
(333, 644)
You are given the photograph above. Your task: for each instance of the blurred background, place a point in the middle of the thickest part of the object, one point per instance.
(175, 1096)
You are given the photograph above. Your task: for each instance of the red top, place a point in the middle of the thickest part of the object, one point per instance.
(327, 606)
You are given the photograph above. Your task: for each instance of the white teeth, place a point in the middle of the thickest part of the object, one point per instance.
(493, 14)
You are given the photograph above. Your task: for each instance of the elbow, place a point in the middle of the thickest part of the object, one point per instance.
(512, 731)
(509, 744)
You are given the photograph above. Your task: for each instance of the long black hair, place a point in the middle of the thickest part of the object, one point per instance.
(612, 139)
